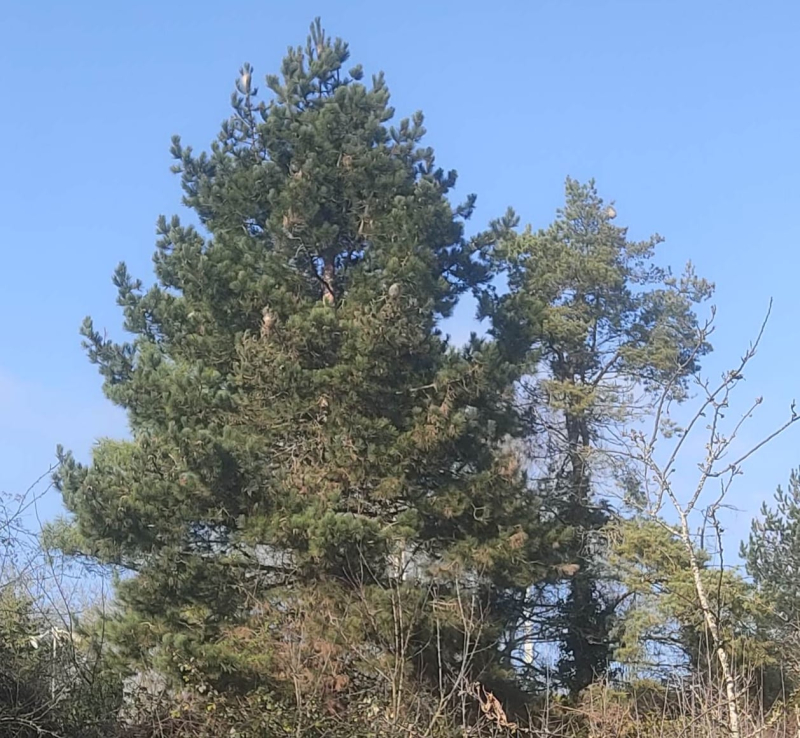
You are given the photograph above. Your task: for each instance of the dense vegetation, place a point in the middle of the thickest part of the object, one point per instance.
(329, 520)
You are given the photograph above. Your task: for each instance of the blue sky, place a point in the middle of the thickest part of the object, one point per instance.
(686, 113)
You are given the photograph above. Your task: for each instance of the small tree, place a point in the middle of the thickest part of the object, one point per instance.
(772, 556)
(663, 630)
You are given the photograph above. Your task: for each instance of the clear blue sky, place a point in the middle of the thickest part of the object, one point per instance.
(687, 113)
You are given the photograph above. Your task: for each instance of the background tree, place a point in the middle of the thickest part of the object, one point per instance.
(52, 681)
(304, 439)
(662, 628)
(772, 556)
(602, 327)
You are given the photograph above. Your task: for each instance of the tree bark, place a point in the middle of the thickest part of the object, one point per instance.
(328, 277)
(713, 628)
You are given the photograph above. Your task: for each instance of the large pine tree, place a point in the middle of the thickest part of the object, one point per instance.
(303, 435)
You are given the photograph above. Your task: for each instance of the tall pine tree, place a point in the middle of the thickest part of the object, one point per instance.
(303, 435)
(604, 328)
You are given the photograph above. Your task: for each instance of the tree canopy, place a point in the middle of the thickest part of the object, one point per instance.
(301, 428)
(329, 519)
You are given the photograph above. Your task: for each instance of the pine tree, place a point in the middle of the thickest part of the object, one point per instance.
(772, 551)
(772, 559)
(662, 628)
(603, 328)
(305, 441)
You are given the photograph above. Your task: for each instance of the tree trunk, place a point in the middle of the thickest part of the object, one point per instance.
(713, 628)
(587, 636)
(328, 277)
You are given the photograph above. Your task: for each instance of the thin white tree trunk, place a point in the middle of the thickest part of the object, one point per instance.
(713, 629)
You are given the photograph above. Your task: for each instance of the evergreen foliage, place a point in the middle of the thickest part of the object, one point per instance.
(772, 558)
(604, 329)
(772, 552)
(329, 520)
(663, 628)
(302, 432)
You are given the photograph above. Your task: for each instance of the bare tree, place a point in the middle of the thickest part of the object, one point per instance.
(664, 495)
(49, 675)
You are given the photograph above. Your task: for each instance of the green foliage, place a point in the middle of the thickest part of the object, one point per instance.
(603, 329)
(298, 419)
(772, 555)
(595, 306)
(772, 551)
(59, 688)
(322, 523)
(24, 670)
(663, 625)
